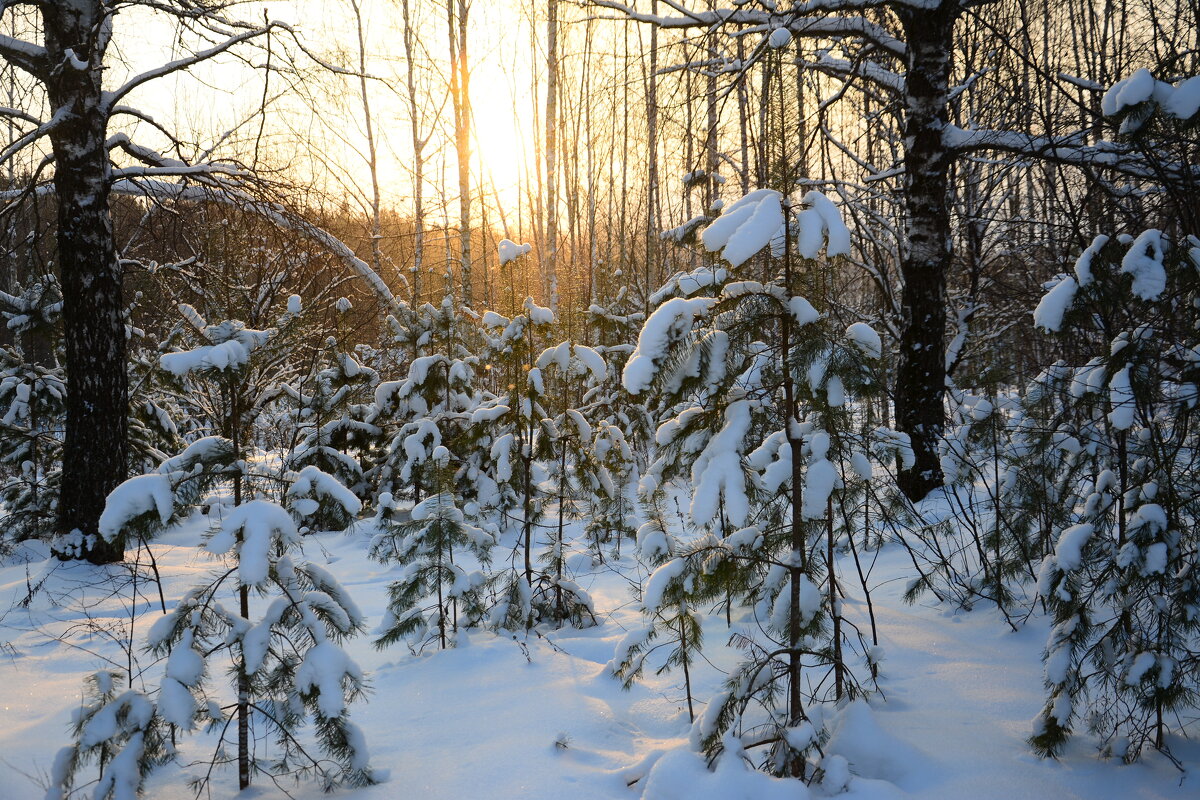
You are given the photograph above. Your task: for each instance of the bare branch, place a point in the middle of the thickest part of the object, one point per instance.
(274, 212)
(111, 98)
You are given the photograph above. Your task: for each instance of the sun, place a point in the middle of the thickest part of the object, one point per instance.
(505, 124)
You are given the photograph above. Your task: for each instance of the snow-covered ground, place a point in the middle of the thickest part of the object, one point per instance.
(538, 716)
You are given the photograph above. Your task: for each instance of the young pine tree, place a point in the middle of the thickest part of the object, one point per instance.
(758, 386)
(1123, 657)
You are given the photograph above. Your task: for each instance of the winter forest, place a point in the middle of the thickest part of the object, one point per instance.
(596, 399)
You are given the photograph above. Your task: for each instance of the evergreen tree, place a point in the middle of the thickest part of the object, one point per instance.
(515, 419)
(286, 665)
(758, 383)
(332, 410)
(564, 441)
(32, 398)
(1124, 654)
(434, 595)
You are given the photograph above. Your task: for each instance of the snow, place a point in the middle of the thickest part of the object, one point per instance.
(324, 668)
(717, 474)
(681, 775)
(656, 584)
(228, 355)
(1151, 514)
(1155, 562)
(1141, 665)
(822, 220)
(592, 360)
(757, 219)
(1124, 405)
(1054, 304)
(481, 720)
(263, 526)
(864, 337)
(312, 481)
(133, 498)
(1134, 90)
(1083, 265)
(538, 315)
(1184, 101)
(1068, 553)
(652, 542)
(670, 320)
(857, 737)
(803, 311)
(779, 38)
(1144, 262)
(686, 284)
(1181, 100)
(509, 250)
(819, 482)
(746, 227)
(491, 319)
(294, 304)
(835, 392)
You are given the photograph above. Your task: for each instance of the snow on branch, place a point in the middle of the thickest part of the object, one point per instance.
(867, 70)
(32, 136)
(813, 19)
(1063, 150)
(758, 220)
(1142, 92)
(26, 55)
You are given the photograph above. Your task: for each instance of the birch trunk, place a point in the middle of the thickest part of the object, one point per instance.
(96, 446)
(926, 246)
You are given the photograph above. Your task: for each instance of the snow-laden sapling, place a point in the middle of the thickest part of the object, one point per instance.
(1123, 658)
(611, 515)
(117, 730)
(515, 420)
(333, 429)
(286, 666)
(434, 595)
(672, 622)
(561, 373)
(32, 405)
(760, 388)
(430, 408)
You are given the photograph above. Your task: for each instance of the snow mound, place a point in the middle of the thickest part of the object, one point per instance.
(871, 751)
(684, 775)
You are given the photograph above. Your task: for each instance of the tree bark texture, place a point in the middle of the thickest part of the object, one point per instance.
(96, 447)
(926, 254)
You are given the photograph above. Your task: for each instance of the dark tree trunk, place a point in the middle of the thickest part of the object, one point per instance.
(94, 454)
(926, 248)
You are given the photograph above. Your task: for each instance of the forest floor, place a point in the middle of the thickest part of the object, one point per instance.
(539, 716)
